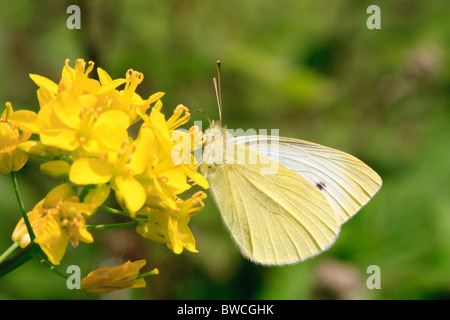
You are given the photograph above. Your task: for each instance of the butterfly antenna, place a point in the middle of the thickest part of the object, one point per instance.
(218, 90)
(203, 112)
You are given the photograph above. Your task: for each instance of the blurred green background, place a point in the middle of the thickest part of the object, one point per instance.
(309, 68)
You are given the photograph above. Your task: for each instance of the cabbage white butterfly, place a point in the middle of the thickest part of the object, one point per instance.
(289, 214)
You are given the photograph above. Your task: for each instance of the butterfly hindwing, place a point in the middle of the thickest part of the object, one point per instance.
(275, 218)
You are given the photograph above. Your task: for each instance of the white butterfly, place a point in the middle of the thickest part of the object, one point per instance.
(294, 212)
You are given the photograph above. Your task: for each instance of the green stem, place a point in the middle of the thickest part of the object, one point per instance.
(111, 226)
(115, 211)
(51, 266)
(150, 273)
(83, 193)
(22, 207)
(18, 259)
(121, 213)
(9, 251)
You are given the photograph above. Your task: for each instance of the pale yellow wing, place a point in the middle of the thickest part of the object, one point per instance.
(347, 182)
(274, 219)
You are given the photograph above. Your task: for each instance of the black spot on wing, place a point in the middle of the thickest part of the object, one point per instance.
(321, 185)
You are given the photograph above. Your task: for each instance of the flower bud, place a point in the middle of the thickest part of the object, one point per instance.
(36, 149)
(56, 169)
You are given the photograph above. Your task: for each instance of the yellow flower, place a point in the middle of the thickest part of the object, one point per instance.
(171, 226)
(77, 124)
(164, 180)
(66, 222)
(116, 278)
(60, 218)
(119, 169)
(180, 116)
(37, 217)
(11, 157)
(127, 99)
(75, 80)
(72, 122)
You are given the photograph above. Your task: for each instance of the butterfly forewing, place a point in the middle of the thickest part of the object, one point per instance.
(346, 182)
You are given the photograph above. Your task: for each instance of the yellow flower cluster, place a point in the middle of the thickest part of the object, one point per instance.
(83, 129)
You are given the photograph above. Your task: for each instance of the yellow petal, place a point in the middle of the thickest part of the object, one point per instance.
(83, 233)
(88, 99)
(53, 240)
(140, 283)
(158, 106)
(37, 218)
(89, 171)
(111, 85)
(198, 178)
(25, 119)
(176, 178)
(188, 238)
(109, 137)
(141, 155)
(138, 264)
(11, 158)
(85, 85)
(175, 241)
(67, 109)
(58, 195)
(103, 76)
(92, 146)
(72, 208)
(8, 138)
(155, 226)
(19, 159)
(43, 82)
(6, 161)
(45, 96)
(111, 130)
(158, 123)
(106, 81)
(117, 116)
(97, 196)
(155, 97)
(65, 139)
(133, 193)
(159, 195)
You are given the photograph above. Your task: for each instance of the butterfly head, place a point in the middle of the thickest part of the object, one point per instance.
(214, 130)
